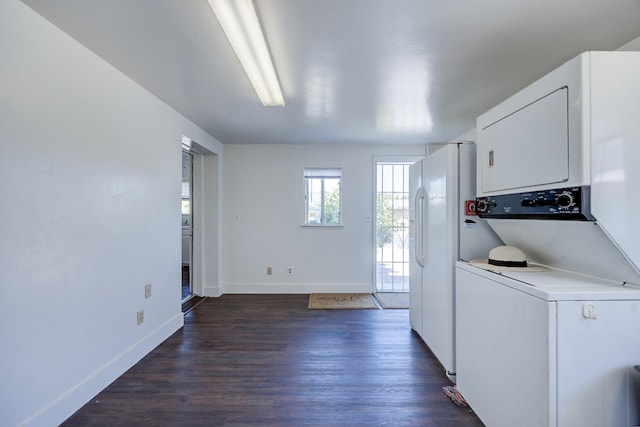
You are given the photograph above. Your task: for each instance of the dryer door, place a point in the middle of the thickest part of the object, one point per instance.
(526, 148)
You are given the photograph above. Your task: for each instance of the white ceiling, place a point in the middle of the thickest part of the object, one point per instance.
(352, 71)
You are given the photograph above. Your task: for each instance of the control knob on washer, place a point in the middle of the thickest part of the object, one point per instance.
(564, 200)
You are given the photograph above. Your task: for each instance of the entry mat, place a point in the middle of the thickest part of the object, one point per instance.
(341, 302)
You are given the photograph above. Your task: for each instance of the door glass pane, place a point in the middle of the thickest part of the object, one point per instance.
(392, 227)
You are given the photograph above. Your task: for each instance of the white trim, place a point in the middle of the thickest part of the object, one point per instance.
(198, 216)
(211, 291)
(191, 146)
(323, 173)
(395, 159)
(295, 288)
(75, 397)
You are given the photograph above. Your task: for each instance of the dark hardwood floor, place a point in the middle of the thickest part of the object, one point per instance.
(265, 360)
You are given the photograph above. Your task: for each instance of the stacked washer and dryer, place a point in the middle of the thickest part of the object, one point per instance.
(558, 175)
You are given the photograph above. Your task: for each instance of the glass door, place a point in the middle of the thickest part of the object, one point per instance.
(392, 226)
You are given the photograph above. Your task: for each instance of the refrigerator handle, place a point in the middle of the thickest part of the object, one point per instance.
(419, 239)
(425, 230)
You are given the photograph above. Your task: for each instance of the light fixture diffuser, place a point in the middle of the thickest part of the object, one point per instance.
(240, 23)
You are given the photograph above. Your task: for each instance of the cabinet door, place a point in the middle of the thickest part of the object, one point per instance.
(503, 343)
(526, 148)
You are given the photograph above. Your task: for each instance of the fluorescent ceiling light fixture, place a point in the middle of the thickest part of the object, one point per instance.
(240, 23)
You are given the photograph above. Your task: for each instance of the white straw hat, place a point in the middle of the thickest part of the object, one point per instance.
(506, 258)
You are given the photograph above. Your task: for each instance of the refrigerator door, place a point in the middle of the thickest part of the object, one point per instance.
(415, 246)
(449, 235)
(440, 236)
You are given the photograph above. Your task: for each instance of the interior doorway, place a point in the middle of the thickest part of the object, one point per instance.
(392, 226)
(187, 225)
(202, 204)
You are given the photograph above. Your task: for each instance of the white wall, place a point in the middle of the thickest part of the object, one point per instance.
(90, 165)
(264, 210)
(632, 45)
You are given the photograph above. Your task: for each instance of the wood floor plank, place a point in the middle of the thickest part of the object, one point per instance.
(266, 360)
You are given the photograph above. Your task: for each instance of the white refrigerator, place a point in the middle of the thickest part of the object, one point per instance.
(440, 234)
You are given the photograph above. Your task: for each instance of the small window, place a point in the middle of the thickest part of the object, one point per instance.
(323, 196)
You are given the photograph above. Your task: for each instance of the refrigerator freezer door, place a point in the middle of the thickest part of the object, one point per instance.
(419, 243)
(415, 268)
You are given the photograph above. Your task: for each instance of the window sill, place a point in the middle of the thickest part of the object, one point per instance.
(322, 226)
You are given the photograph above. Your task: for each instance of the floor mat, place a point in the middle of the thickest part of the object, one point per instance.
(341, 301)
(393, 299)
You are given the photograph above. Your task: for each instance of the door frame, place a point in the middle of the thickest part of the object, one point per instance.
(206, 219)
(374, 219)
(190, 262)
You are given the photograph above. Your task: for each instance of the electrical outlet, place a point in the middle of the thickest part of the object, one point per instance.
(147, 290)
(290, 270)
(366, 218)
(140, 317)
(269, 271)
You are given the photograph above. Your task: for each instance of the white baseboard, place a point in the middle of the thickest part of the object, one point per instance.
(77, 396)
(211, 291)
(296, 288)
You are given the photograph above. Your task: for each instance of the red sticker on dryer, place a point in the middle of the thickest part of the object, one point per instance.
(470, 207)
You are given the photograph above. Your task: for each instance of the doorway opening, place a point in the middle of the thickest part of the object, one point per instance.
(392, 226)
(187, 225)
(202, 232)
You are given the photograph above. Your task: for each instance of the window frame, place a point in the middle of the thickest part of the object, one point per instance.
(321, 174)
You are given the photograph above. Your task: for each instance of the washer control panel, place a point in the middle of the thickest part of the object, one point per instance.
(560, 204)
